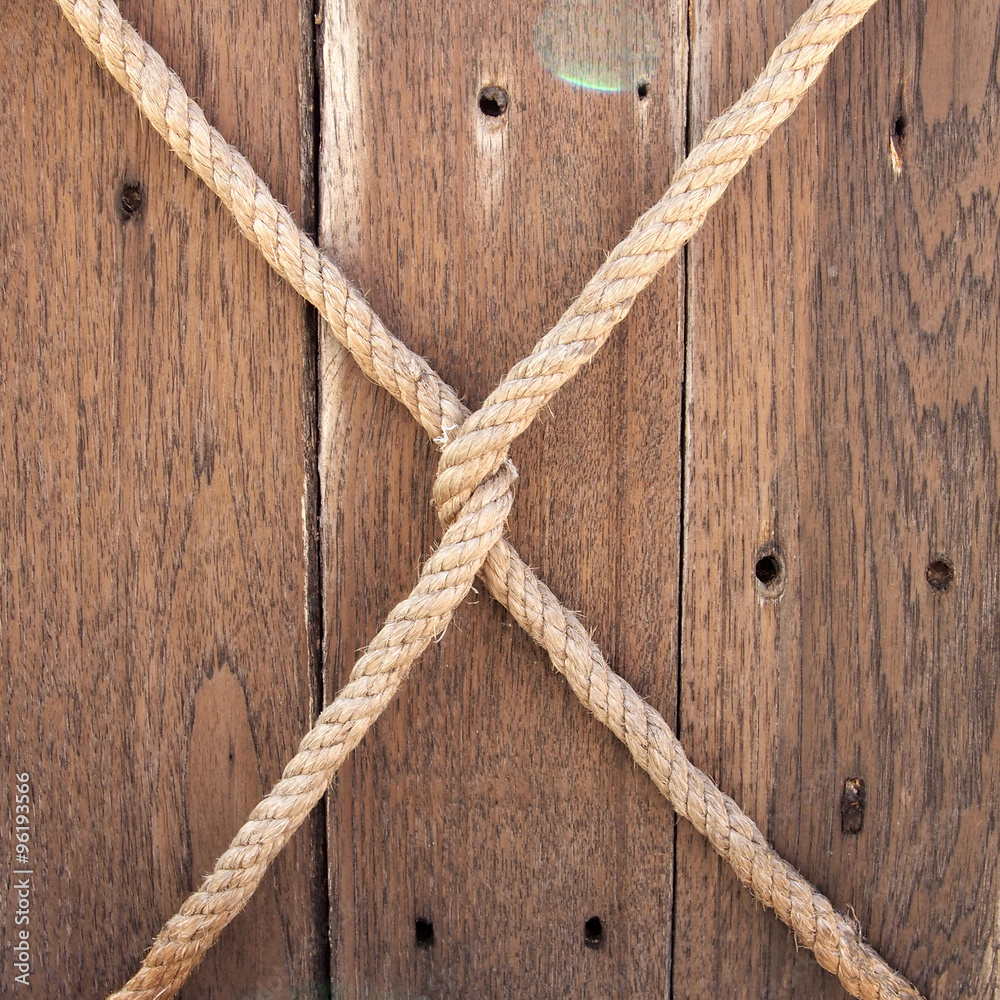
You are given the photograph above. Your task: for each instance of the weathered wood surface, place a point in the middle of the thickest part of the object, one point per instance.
(156, 428)
(814, 379)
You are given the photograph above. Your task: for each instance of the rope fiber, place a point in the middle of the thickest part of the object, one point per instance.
(473, 492)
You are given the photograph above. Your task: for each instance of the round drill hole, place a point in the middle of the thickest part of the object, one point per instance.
(129, 200)
(593, 932)
(642, 90)
(940, 574)
(423, 932)
(769, 571)
(493, 101)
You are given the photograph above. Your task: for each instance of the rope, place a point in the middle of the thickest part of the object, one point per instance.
(474, 496)
(729, 141)
(834, 939)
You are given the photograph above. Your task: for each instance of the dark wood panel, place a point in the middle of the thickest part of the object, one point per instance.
(485, 801)
(156, 433)
(843, 363)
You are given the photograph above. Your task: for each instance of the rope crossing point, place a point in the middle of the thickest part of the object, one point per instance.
(474, 495)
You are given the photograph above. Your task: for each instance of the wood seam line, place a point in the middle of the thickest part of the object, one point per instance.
(474, 495)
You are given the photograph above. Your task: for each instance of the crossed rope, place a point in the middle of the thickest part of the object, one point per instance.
(473, 493)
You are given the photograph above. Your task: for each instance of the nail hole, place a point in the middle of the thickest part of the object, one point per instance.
(493, 101)
(129, 200)
(940, 574)
(593, 932)
(423, 932)
(897, 139)
(769, 571)
(642, 90)
(852, 805)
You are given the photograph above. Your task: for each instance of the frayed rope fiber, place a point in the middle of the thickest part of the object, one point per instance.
(473, 492)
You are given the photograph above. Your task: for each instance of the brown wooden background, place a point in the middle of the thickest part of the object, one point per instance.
(206, 511)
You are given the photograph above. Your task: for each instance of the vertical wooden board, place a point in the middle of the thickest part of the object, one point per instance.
(155, 451)
(486, 802)
(843, 356)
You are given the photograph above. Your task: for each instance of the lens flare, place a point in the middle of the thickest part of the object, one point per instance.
(598, 45)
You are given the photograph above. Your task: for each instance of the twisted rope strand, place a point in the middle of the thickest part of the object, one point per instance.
(833, 938)
(435, 406)
(730, 140)
(262, 219)
(444, 581)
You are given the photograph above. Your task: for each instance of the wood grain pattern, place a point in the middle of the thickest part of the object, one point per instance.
(843, 356)
(485, 800)
(155, 457)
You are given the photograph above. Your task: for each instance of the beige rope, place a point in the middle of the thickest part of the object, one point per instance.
(730, 140)
(479, 508)
(834, 939)
(444, 581)
(266, 223)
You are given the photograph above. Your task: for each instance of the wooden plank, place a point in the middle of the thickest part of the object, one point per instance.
(843, 355)
(155, 447)
(485, 802)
